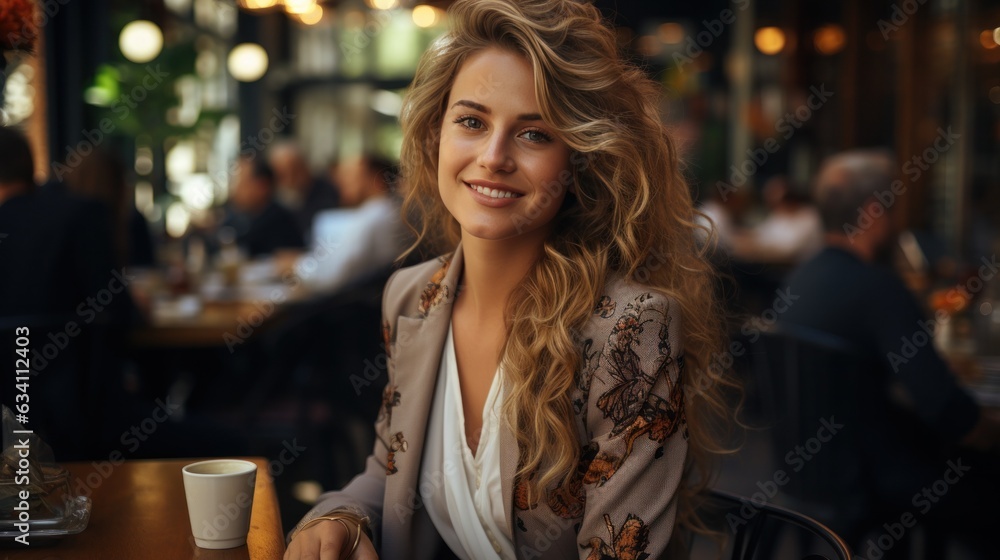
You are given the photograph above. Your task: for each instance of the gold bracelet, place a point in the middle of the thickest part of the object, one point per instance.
(357, 537)
(341, 517)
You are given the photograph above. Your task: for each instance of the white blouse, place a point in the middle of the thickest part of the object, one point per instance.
(462, 491)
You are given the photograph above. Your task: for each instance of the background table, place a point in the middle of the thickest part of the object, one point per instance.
(140, 513)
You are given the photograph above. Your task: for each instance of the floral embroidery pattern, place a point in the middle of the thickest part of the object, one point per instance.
(396, 444)
(659, 418)
(635, 411)
(605, 307)
(627, 544)
(386, 337)
(435, 292)
(588, 365)
(600, 466)
(522, 496)
(568, 501)
(390, 400)
(631, 383)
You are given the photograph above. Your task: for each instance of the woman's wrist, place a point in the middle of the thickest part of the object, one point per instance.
(360, 521)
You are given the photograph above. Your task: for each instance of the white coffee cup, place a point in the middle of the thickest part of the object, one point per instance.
(219, 499)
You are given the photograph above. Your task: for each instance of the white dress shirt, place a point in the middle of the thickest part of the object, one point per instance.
(350, 243)
(462, 491)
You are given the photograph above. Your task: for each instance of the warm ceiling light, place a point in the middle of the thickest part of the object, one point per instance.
(424, 16)
(829, 39)
(312, 17)
(769, 40)
(247, 62)
(671, 33)
(382, 4)
(299, 7)
(140, 41)
(988, 39)
(258, 4)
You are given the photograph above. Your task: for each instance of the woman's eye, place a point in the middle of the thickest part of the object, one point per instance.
(469, 122)
(536, 136)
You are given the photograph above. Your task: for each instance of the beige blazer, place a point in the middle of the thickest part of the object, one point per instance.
(630, 420)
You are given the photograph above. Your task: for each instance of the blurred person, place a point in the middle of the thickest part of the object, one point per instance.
(360, 239)
(61, 285)
(262, 225)
(924, 421)
(101, 175)
(716, 215)
(297, 189)
(790, 233)
(542, 371)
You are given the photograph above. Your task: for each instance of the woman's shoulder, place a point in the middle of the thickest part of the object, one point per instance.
(412, 290)
(623, 293)
(626, 303)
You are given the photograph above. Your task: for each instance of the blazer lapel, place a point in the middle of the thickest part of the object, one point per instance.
(508, 466)
(417, 357)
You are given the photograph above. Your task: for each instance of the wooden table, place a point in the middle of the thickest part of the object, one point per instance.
(225, 319)
(217, 324)
(140, 513)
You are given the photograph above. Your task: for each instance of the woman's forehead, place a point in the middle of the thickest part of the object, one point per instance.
(495, 79)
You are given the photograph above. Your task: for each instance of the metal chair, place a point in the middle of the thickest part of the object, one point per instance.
(754, 531)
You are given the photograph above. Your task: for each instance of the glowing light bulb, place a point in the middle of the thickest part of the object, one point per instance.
(140, 41)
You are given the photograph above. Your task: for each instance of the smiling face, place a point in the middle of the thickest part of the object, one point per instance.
(502, 172)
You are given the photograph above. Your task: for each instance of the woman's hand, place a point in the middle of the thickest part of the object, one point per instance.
(328, 541)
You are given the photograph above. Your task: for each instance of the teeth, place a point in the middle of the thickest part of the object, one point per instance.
(494, 193)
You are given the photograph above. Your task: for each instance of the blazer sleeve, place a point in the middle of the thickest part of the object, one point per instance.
(364, 495)
(638, 438)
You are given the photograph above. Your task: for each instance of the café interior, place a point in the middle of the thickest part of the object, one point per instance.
(194, 328)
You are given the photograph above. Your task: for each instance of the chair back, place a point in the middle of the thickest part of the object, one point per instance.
(756, 530)
(811, 387)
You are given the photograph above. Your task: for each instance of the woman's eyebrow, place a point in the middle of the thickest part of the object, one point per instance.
(484, 109)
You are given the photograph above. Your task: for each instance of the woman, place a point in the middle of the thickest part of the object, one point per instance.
(539, 403)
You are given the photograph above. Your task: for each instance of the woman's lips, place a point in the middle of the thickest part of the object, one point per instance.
(494, 190)
(490, 196)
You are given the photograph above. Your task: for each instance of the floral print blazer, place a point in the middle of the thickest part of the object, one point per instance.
(630, 420)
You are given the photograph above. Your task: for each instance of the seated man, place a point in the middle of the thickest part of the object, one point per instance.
(360, 239)
(300, 192)
(262, 225)
(929, 423)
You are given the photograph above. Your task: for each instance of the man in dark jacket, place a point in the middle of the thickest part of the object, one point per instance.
(262, 225)
(926, 429)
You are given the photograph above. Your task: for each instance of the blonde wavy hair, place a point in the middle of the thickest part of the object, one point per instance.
(630, 203)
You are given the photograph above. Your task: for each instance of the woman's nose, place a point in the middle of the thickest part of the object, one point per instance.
(495, 155)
